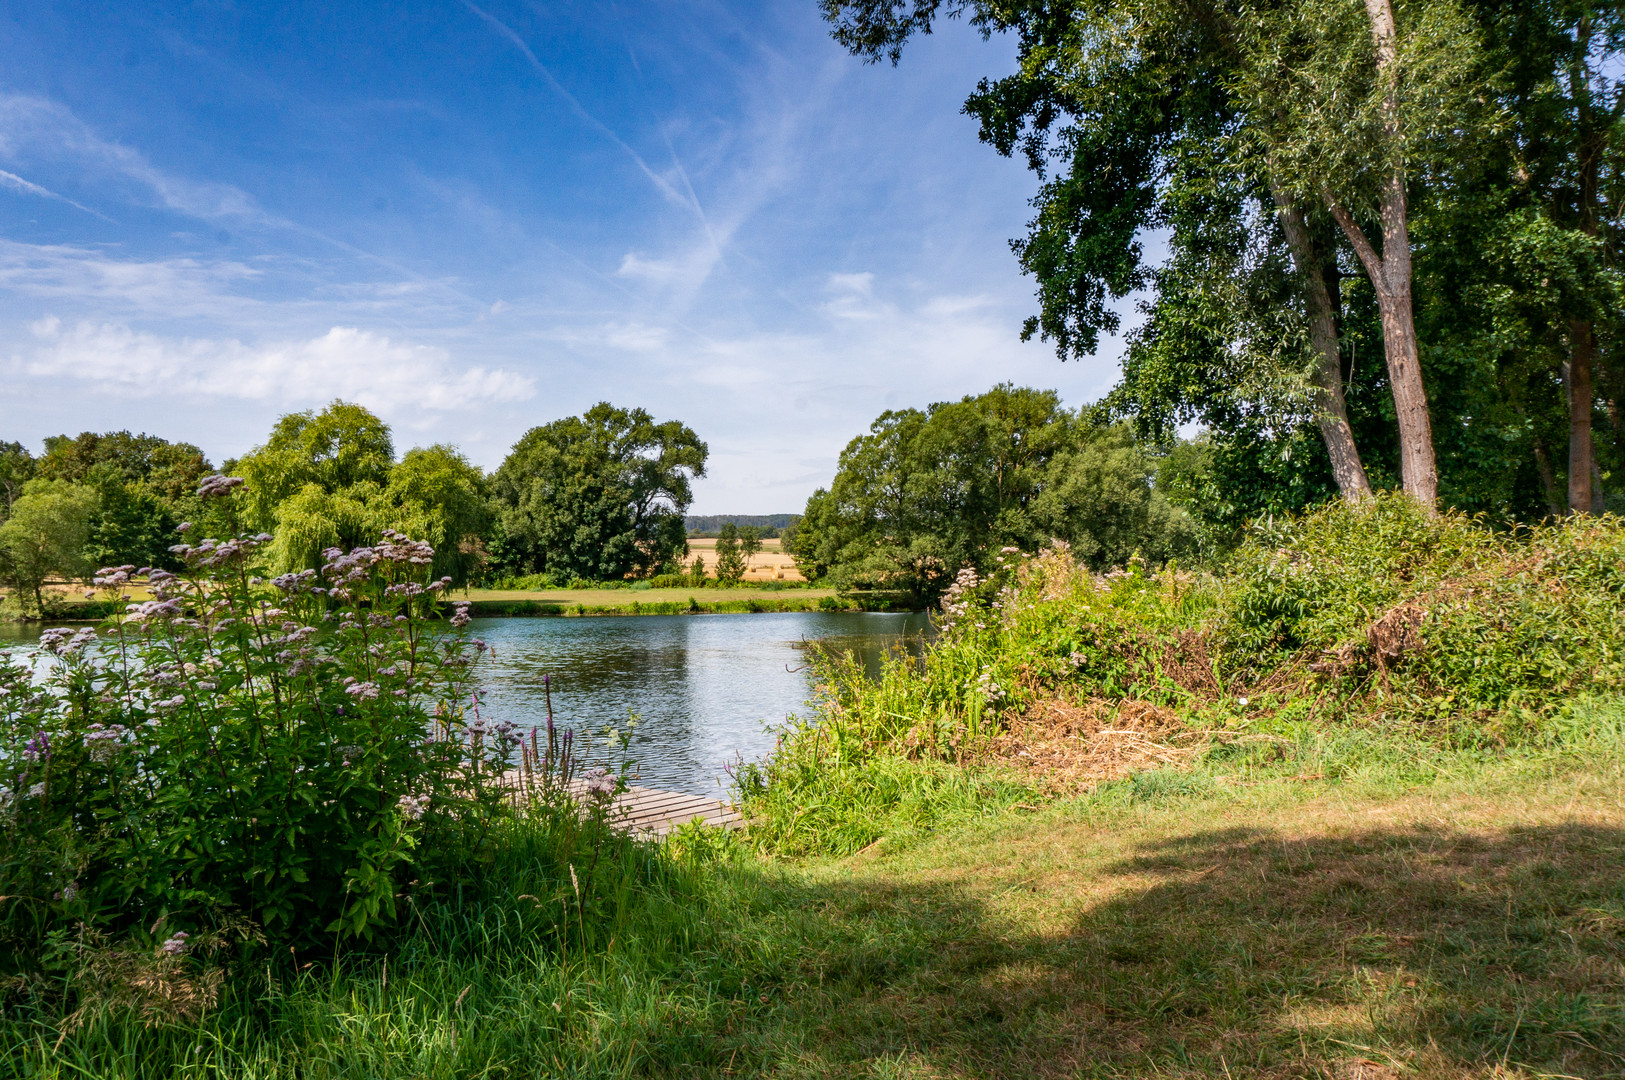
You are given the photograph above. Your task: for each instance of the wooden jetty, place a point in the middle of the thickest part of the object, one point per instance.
(650, 811)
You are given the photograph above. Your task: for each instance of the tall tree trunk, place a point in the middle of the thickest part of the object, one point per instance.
(1390, 274)
(1582, 335)
(1331, 410)
(1581, 346)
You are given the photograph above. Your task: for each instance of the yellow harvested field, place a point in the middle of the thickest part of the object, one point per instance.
(769, 564)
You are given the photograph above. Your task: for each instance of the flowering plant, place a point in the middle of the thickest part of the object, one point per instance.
(292, 751)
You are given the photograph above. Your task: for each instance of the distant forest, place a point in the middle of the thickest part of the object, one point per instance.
(709, 524)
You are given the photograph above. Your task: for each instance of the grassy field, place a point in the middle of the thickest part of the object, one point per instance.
(1452, 915)
(69, 603)
(645, 601)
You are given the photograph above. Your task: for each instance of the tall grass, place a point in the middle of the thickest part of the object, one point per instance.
(519, 959)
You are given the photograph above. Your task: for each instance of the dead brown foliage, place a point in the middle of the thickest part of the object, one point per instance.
(1068, 748)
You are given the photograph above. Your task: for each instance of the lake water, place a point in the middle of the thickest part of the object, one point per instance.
(707, 688)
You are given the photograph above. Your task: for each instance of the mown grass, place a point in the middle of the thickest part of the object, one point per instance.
(488, 602)
(1410, 912)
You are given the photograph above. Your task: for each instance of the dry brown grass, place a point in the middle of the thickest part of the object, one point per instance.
(1065, 748)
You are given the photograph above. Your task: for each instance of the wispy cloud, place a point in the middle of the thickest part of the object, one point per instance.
(39, 127)
(28, 187)
(512, 36)
(166, 287)
(358, 365)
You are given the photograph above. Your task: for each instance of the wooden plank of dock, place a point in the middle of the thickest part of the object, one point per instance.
(652, 812)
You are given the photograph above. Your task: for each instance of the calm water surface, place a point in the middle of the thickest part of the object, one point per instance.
(707, 688)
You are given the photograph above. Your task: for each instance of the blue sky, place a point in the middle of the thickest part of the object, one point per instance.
(478, 218)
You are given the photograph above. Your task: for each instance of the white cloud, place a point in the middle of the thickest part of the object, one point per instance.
(178, 286)
(28, 187)
(346, 362)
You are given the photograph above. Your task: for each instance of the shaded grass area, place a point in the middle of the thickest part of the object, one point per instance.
(1418, 914)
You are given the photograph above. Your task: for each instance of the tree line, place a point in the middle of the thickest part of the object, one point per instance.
(602, 497)
(599, 496)
(1394, 230)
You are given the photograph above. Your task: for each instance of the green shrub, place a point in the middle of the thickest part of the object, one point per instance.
(1377, 614)
(525, 583)
(292, 753)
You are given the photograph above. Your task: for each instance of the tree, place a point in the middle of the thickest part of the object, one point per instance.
(599, 496)
(16, 469)
(44, 536)
(750, 542)
(1525, 274)
(436, 494)
(342, 451)
(318, 482)
(731, 559)
(929, 492)
(1283, 94)
(130, 525)
(1344, 106)
(171, 471)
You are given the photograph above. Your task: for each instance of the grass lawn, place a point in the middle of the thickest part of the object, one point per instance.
(1448, 916)
(1472, 927)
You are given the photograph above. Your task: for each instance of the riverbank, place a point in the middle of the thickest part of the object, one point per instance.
(509, 603)
(492, 603)
(1352, 808)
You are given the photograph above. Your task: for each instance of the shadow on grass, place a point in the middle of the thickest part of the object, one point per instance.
(1386, 952)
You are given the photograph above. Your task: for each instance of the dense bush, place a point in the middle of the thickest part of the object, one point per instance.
(293, 752)
(1377, 614)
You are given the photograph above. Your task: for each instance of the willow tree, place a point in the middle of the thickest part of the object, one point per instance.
(329, 479)
(1345, 104)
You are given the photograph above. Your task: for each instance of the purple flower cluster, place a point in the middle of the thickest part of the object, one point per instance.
(113, 577)
(211, 553)
(159, 610)
(216, 486)
(175, 944)
(103, 742)
(361, 691)
(600, 782)
(957, 600)
(397, 547)
(64, 642)
(38, 748)
(301, 581)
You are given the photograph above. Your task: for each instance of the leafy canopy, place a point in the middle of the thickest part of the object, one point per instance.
(598, 496)
(929, 492)
(329, 480)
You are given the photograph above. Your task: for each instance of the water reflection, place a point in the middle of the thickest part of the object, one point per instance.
(707, 687)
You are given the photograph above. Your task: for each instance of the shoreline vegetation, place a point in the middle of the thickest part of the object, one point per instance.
(69, 606)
